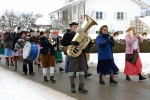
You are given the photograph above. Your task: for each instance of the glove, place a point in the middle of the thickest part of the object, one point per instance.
(75, 43)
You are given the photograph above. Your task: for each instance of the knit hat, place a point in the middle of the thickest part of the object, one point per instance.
(55, 32)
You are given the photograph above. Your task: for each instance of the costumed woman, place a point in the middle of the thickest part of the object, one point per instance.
(133, 64)
(47, 53)
(106, 65)
(56, 41)
(18, 49)
(7, 52)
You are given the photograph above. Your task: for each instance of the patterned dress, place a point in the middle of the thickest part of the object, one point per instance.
(18, 49)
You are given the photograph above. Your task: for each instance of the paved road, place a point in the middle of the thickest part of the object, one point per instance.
(125, 90)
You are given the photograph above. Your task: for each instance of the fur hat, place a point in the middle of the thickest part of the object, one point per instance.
(130, 28)
(73, 23)
(55, 32)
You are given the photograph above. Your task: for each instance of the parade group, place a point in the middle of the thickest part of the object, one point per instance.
(50, 43)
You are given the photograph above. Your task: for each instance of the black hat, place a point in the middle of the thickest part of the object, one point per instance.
(41, 33)
(31, 30)
(73, 23)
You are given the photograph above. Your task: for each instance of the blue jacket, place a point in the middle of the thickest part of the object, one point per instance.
(104, 45)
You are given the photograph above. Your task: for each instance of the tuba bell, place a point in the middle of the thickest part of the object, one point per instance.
(82, 38)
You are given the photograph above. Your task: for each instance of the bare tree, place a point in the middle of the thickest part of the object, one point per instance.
(13, 19)
(8, 20)
(145, 12)
(27, 19)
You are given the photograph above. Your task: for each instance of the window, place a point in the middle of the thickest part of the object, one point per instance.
(99, 15)
(120, 15)
(120, 32)
(97, 32)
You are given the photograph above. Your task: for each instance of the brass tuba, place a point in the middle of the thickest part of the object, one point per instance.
(82, 38)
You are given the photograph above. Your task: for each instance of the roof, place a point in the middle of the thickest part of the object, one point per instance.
(145, 20)
(67, 5)
(142, 3)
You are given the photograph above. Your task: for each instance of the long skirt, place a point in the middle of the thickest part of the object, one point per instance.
(76, 64)
(106, 67)
(8, 52)
(58, 56)
(18, 55)
(133, 64)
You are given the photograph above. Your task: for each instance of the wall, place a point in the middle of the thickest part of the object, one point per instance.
(110, 7)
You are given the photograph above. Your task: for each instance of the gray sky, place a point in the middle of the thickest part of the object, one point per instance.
(147, 1)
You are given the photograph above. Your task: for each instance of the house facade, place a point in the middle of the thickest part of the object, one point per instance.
(117, 14)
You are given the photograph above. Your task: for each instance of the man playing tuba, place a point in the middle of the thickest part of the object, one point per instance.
(76, 64)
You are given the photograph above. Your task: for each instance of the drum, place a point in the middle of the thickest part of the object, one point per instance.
(31, 51)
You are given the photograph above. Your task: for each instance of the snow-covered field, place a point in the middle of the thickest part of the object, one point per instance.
(119, 59)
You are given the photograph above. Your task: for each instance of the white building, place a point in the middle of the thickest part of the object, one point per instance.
(117, 14)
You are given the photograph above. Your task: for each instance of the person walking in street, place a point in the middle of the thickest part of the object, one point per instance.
(75, 64)
(106, 65)
(133, 64)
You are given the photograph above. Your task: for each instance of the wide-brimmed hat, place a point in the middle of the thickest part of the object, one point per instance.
(73, 23)
(130, 28)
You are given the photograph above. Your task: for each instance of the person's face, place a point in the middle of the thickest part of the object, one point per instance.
(0, 33)
(31, 33)
(105, 30)
(19, 31)
(74, 28)
(23, 35)
(8, 30)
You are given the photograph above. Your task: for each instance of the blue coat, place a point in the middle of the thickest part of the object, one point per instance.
(104, 46)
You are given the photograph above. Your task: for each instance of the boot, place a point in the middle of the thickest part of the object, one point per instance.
(45, 79)
(112, 81)
(101, 81)
(87, 74)
(141, 77)
(7, 62)
(73, 90)
(128, 78)
(15, 68)
(39, 66)
(61, 69)
(52, 79)
(12, 64)
(81, 88)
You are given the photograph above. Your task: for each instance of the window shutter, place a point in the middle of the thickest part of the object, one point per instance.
(125, 15)
(104, 15)
(115, 16)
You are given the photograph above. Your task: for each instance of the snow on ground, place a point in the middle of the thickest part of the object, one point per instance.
(119, 59)
(20, 88)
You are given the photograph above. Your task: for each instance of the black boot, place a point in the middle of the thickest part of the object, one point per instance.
(101, 81)
(52, 79)
(61, 69)
(39, 66)
(7, 62)
(128, 78)
(81, 88)
(141, 77)
(45, 79)
(12, 64)
(112, 81)
(73, 90)
(87, 74)
(25, 69)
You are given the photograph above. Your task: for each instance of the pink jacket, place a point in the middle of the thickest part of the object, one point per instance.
(129, 40)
